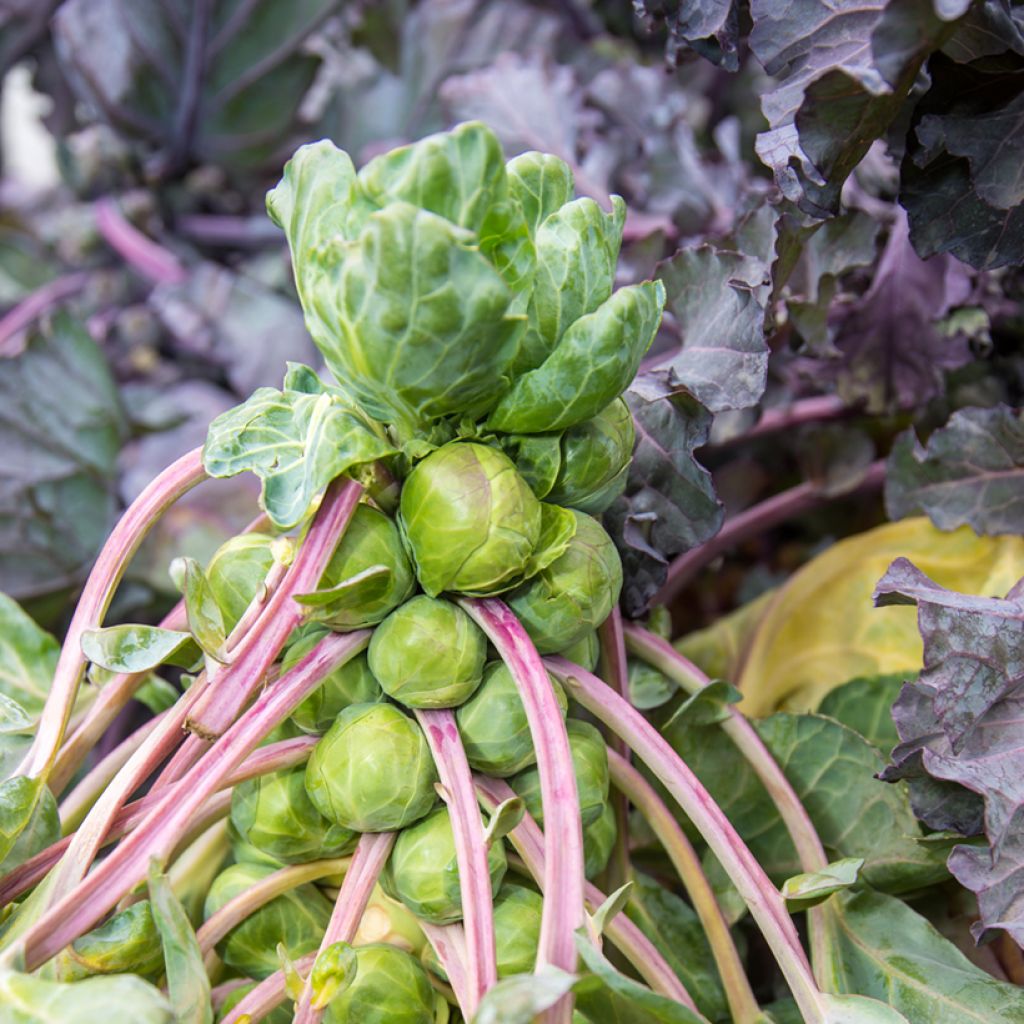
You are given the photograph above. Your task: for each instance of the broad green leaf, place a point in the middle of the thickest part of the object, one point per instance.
(865, 705)
(41, 829)
(707, 706)
(157, 694)
(538, 457)
(822, 628)
(127, 943)
(295, 442)
(506, 816)
(648, 687)
(832, 770)
(19, 797)
(363, 589)
(517, 1000)
(881, 948)
(205, 619)
(594, 361)
(416, 318)
(187, 980)
(812, 887)
(14, 719)
(135, 648)
(620, 1000)
(333, 971)
(719, 650)
(859, 1010)
(557, 529)
(28, 658)
(541, 183)
(118, 999)
(673, 926)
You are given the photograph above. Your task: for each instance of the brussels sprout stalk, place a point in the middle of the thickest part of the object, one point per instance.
(638, 791)
(529, 841)
(761, 897)
(156, 836)
(368, 861)
(563, 840)
(449, 943)
(470, 851)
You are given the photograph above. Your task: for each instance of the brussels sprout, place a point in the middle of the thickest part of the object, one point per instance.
(470, 520)
(353, 683)
(371, 539)
(493, 725)
(297, 918)
(390, 987)
(237, 570)
(127, 943)
(595, 460)
(274, 814)
(590, 762)
(586, 652)
(386, 920)
(598, 840)
(517, 913)
(428, 654)
(575, 593)
(372, 771)
(423, 872)
(282, 1014)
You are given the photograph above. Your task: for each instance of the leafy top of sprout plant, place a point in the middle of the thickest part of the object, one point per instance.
(437, 499)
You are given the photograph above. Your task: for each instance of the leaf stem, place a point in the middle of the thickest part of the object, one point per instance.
(33, 306)
(368, 861)
(470, 852)
(563, 840)
(742, 1003)
(151, 260)
(529, 842)
(449, 943)
(762, 898)
(753, 521)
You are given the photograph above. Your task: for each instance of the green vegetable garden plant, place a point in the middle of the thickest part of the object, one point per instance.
(412, 775)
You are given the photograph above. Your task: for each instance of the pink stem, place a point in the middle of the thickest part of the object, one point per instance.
(804, 410)
(762, 898)
(371, 854)
(138, 250)
(563, 839)
(449, 943)
(156, 836)
(641, 952)
(127, 535)
(267, 996)
(256, 652)
(753, 521)
(34, 305)
(470, 851)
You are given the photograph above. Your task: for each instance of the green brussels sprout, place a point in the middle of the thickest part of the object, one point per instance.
(575, 593)
(598, 840)
(282, 1014)
(595, 460)
(371, 539)
(236, 572)
(423, 872)
(274, 814)
(493, 725)
(297, 918)
(387, 920)
(586, 652)
(126, 944)
(428, 653)
(590, 763)
(372, 771)
(517, 914)
(390, 987)
(353, 683)
(469, 519)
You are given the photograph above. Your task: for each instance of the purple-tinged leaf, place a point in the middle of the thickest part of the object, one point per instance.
(710, 29)
(960, 724)
(971, 471)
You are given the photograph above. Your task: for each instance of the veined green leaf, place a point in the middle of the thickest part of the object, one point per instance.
(28, 820)
(187, 980)
(557, 529)
(118, 999)
(205, 619)
(811, 887)
(14, 719)
(135, 648)
(538, 457)
(541, 183)
(295, 442)
(593, 363)
(28, 658)
(519, 999)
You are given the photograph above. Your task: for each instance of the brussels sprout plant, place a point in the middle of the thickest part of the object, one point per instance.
(362, 670)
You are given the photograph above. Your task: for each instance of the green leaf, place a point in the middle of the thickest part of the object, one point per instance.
(673, 926)
(707, 706)
(517, 1000)
(859, 1010)
(41, 829)
(506, 816)
(157, 694)
(333, 971)
(293, 981)
(597, 357)
(615, 903)
(14, 719)
(881, 948)
(205, 619)
(621, 1000)
(865, 705)
(187, 980)
(541, 183)
(557, 529)
(28, 658)
(118, 999)
(648, 687)
(362, 589)
(134, 648)
(538, 457)
(19, 797)
(812, 887)
(296, 443)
